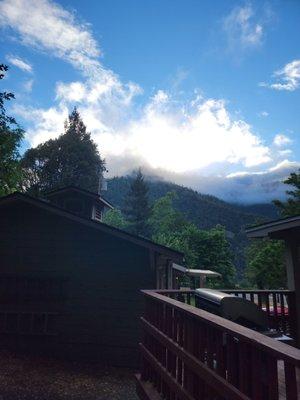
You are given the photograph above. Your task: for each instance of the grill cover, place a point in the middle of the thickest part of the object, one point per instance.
(234, 308)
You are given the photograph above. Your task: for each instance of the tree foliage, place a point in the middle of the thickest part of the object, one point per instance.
(10, 139)
(71, 159)
(164, 218)
(115, 218)
(203, 210)
(204, 249)
(292, 205)
(265, 264)
(137, 209)
(265, 258)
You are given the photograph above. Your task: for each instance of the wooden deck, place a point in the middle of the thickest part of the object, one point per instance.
(189, 354)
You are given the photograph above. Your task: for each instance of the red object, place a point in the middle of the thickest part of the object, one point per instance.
(279, 310)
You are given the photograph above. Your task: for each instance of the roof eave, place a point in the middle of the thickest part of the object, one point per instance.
(274, 227)
(173, 254)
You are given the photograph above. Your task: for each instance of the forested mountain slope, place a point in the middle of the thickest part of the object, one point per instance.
(204, 210)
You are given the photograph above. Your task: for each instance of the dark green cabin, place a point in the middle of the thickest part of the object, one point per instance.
(69, 284)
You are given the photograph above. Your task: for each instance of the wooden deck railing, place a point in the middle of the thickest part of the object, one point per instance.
(278, 304)
(189, 354)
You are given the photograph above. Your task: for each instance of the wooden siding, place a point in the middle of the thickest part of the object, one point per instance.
(102, 275)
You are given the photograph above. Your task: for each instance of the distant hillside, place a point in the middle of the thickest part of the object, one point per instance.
(204, 210)
(266, 210)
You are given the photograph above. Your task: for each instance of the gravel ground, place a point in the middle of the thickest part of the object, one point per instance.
(34, 378)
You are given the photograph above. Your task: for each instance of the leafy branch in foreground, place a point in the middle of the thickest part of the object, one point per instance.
(10, 139)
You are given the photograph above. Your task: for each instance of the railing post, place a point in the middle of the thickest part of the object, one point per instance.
(292, 315)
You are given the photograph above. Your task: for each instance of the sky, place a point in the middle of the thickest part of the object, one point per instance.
(201, 93)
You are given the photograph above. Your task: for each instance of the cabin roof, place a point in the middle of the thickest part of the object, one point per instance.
(44, 204)
(277, 228)
(94, 196)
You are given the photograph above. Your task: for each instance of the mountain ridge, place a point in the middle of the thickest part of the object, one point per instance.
(203, 209)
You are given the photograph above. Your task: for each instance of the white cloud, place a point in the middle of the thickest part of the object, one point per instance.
(28, 85)
(286, 152)
(48, 124)
(195, 138)
(241, 187)
(19, 63)
(160, 97)
(281, 140)
(183, 141)
(71, 92)
(285, 164)
(242, 29)
(256, 186)
(46, 25)
(198, 135)
(163, 136)
(288, 78)
(263, 114)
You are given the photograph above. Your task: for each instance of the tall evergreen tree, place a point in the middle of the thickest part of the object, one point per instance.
(292, 205)
(137, 209)
(71, 159)
(10, 138)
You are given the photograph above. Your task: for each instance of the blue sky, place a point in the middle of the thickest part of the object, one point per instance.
(204, 93)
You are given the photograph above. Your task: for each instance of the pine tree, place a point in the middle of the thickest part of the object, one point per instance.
(71, 159)
(137, 209)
